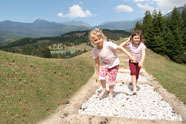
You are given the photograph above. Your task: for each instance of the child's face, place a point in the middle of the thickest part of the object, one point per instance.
(136, 39)
(98, 41)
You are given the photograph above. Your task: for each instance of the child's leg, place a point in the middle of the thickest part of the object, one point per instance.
(134, 83)
(133, 73)
(111, 88)
(137, 73)
(112, 78)
(103, 84)
(102, 77)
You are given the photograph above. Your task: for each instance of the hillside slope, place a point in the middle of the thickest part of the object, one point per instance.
(171, 75)
(33, 87)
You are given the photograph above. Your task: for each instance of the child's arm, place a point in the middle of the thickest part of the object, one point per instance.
(125, 43)
(142, 58)
(127, 53)
(97, 68)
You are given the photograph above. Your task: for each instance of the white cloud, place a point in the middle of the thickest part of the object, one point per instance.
(167, 5)
(60, 14)
(146, 6)
(139, 0)
(135, 0)
(163, 5)
(76, 11)
(123, 8)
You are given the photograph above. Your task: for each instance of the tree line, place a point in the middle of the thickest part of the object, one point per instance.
(165, 35)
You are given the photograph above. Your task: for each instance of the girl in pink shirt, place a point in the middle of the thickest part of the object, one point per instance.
(106, 52)
(137, 50)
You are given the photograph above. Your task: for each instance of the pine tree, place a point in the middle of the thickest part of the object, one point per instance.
(158, 29)
(169, 42)
(147, 29)
(138, 26)
(176, 24)
(45, 52)
(184, 33)
(176, 20)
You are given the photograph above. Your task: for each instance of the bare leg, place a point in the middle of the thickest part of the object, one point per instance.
(111, 88)
(133, 78)
(103, 84)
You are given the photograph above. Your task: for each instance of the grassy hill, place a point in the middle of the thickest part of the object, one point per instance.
(171, 75)
(31, 87)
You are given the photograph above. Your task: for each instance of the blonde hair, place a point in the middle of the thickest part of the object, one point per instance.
(137, 32)
(96, 33)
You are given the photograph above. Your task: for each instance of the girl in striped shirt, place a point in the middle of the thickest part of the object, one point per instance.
(137, 49)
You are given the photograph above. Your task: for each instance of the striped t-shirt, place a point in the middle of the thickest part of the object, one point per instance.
(136, 50)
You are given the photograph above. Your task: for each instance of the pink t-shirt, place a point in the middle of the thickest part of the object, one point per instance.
(107, 54)
(136, 50)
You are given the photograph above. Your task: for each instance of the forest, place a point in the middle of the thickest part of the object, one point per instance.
(165, 35)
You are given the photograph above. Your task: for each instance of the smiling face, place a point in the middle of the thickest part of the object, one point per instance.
(97, 38)
(136, 39)
(98, 41)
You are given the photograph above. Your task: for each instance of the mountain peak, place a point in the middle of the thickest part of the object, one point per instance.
(77, 23)
(40, 21)
(7, 21)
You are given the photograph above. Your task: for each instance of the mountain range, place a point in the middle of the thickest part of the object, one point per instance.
(10, 31)
(119, 25)
(179, 9)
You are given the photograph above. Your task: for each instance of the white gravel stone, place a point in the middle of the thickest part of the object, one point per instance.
(127, 78)
(147, 104)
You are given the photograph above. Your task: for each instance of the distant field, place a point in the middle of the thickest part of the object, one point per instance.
(82, 46)
(32, 88)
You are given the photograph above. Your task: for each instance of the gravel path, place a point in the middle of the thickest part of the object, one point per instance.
(147, 104)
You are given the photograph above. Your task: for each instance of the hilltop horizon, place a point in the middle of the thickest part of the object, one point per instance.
(73, 21)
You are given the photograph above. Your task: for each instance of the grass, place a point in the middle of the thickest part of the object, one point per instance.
(31, 88)
(171, 75)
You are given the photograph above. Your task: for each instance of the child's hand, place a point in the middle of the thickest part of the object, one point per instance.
(140, 64)
(130, 38)
(133, 59)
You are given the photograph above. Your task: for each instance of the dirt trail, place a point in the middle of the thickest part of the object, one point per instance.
(68, 114)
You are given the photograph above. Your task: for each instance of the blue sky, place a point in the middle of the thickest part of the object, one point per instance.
(93, 12)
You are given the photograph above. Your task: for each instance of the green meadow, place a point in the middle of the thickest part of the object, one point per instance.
(171, 75)
(31, 88)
